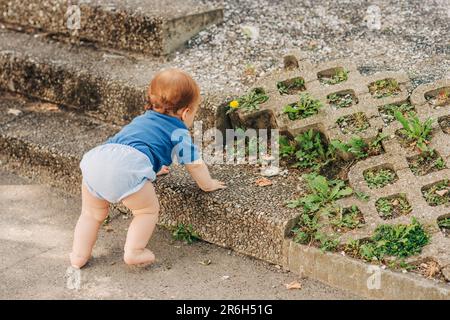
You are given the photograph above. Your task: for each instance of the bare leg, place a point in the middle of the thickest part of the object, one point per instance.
(93, 212)
(145, 207)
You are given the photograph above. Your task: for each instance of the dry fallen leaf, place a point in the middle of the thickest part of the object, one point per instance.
(108, 228)
(395, 202)
(14, 112)
(293, 285)
(205, 262)
(43, 107)
(263, 182)
(442, 192)
(430, 269)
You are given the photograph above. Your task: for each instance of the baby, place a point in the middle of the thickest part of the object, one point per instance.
(123, 169)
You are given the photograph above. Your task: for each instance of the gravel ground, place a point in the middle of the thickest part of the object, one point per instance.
(414, 37)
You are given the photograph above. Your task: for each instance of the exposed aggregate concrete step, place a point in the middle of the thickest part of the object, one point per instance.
(155, 27)
(45, 143)
(105, 85)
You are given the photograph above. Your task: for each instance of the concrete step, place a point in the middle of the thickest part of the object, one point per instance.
(108, 86)
(42, 142)
(155, 27)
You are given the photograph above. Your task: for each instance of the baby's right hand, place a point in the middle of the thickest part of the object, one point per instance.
(199, 171)
(214, 185)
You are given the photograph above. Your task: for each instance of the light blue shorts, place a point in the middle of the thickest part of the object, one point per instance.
(114, 171)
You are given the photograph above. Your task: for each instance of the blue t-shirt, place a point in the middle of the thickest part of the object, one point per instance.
(160, 137)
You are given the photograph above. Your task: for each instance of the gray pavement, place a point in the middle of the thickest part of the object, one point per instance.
(36, 226)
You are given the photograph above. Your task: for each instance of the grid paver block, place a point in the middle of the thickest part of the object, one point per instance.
(428, 101)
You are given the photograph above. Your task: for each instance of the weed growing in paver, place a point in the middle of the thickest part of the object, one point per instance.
(426, 162)
(414, 132)
(312, 151)
(339, 75)
(359, 148)
(318, 203)
(384, 88)
(309, 150)
(352, 248)
(306, 107)
(400, 240)
(400, 263)
(379, 178)
(353, 123)
(393, 207)
(287, 147)
(291, 86)
(444, 225)
(444, 123)
(306, 228)
(323, 194)
(185, 233)
(308, 232)
(439, 98)
(348, 219)
(250, 101)
(387, 112)
(341, 100)
(438, 194)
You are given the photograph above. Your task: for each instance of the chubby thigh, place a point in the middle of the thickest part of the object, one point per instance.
(144, 201)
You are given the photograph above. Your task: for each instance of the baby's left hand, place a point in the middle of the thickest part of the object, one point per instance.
(164, 170)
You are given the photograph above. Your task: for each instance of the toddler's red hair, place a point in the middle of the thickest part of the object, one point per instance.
(171, 90)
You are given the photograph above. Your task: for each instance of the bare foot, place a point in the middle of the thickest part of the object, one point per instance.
(77, 261)
(139, 257)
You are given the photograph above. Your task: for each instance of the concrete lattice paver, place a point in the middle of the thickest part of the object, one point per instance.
(394, 157)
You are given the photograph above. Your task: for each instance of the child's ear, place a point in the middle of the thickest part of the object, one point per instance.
(184, 113)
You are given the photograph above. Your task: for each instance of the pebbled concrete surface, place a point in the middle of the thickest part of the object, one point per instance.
(151, 26)
(111, 86)
(36, 225)
(47, 144)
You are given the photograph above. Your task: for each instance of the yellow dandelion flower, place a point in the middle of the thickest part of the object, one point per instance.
(234, 104)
